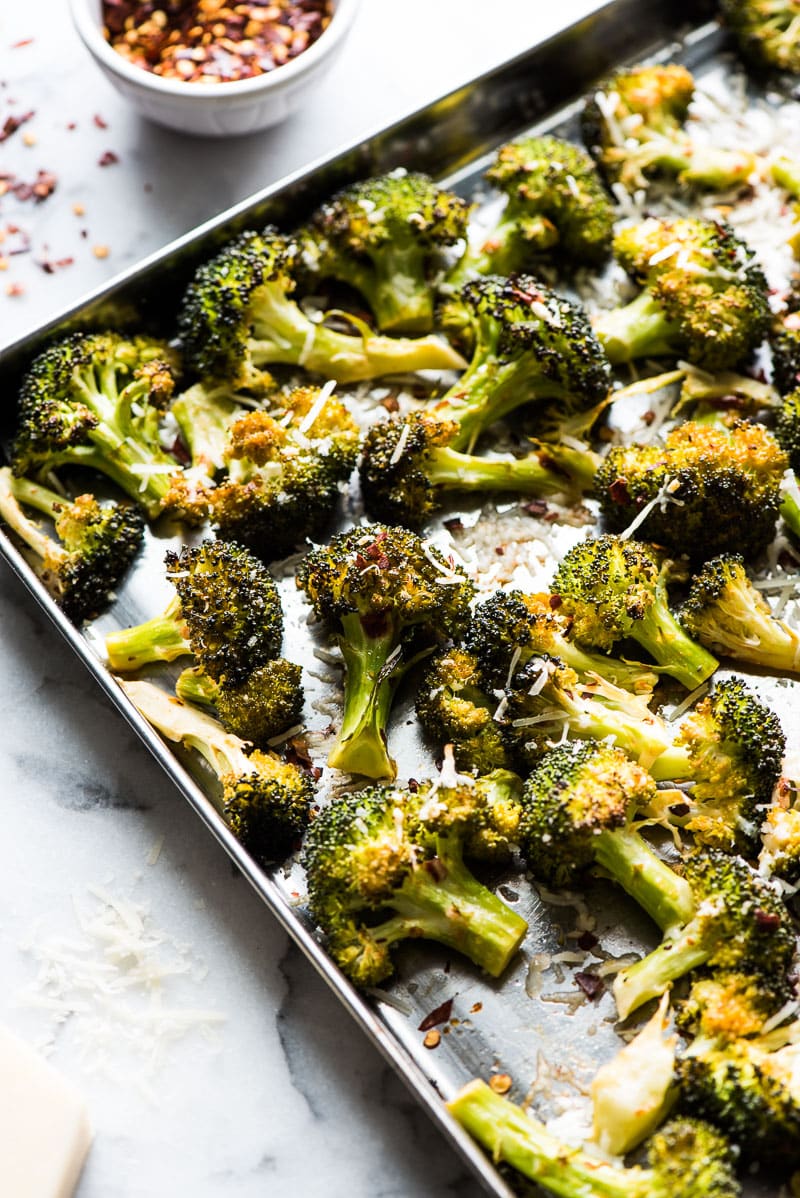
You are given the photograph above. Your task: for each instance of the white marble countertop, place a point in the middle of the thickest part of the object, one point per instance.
(258, 1082)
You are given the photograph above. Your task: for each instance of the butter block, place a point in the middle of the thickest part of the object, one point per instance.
(44, 1128)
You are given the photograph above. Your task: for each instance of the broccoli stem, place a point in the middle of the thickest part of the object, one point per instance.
(629, 676)
(786, 173)
(442, 900)
(531, 475)
(195, 686)
(790, 511)
(650, 977)
(203, 416)
(283, 333)
(397, 300)
(716, 170)
(511, 1135)
(13, 492)
(487, 391)
(673, 764)
(159, 639)
(591, 719)
(666, 897)
(368, 692)
(660, 633)
(638, 330)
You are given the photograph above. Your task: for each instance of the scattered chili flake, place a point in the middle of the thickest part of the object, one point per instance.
(440, 1015)
(391, 403)
(591, 985)
(79, 209)
(454, 524)
(500, 1083)
(535, 507)
(12, 123)
(587, 941)
(476, 1006)
(432, 1039)
(15, 289)
(100, 251)
(766, 919)
(413, 785)
(99, 122)
(500, 550)
(26, 41)
(3, 263)
(72, 125)
(51, 265)
(108, 158)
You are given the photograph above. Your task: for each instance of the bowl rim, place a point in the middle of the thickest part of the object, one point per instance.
(88, 27)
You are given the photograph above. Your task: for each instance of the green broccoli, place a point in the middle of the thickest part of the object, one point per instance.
(385, 865)
(577, 810)
(267, 703)
(787, 427)
(265, 802)
(96, 544)
(384, 237)
(97, 400)
(686, 1159)
(386, 597)
(703, 297)
(784, 340)
(767, 32)
(238, 316)
(780, 843)
(204, 414)
(614, 588)
(634, 127)
(455, 706)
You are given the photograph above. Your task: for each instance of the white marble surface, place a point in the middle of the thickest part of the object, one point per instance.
(275, 1090)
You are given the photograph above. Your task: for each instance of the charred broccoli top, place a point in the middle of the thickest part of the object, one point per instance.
(767, 32)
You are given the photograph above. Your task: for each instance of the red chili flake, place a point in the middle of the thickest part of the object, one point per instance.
(618, 492)
(436, 869)
(587, 941)
(441, 1014)
(766, 919)
(454, 524)
(26, 41)
(15, 289)
(72, 125)
(648, 417)
(108, 158)
(413, 785)
(99, 122)
(50, 265)
(475, 1008)
(535, 507)
(12, 123)
(591, 985)
(555, 602)
(391, 403)
(679, 810)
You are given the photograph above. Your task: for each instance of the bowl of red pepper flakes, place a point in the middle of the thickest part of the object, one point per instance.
(214, 67)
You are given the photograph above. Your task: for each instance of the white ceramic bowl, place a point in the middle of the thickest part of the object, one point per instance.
(215, 109)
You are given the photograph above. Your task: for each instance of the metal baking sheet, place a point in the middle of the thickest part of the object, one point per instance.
(535, 1027)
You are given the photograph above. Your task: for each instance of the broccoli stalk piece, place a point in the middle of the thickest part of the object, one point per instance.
(731, 747)
(613, 588)
(634, 124)
(204, 414)
(387, 597)
(227, 613)
(96, 400)
(265, 802)
(383, 866)
(767, 31)
(686, 1157)
(238, 316)
(577, 809)
(704, 296)
(408, 464)
(531, 345)
(267, 703)
(95, 545)
(285, 469)
(384, 236)
(725, 612)
(739, 923)
(455, 707)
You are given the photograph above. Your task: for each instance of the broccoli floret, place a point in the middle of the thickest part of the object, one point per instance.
(238, 316)
(740, 923)
(227, 613)
(95, 547)
(267, 703)
(784, 340)
(384, 866)
(731, 746)
(484, 811)
(612, 589)
(97, 400)
(634, 126)
(530, 345)
(285, 468)
(577, 809)
(204, 414)
(510, 628)
(780, 851)
(729, 1004)
(725, 612)
(709, 489)
(767, 32)
(386, 596)
(384, 236)
(687, 1158)
(265, 802)
(407, 464)
(703, 295)
(455, 707)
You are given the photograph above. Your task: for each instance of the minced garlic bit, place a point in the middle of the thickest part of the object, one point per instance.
(432, 1038)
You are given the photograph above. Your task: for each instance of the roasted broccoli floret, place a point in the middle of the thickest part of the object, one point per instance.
(731, 747)
(238, 316)
(686, 1159)
(729, 1004)
(386, 596)
(385, 865)
(780, 837)
(95, 547)
(703, 295)
(708, 489)
(227, 613)
(408, 464)
(530, 345)
(634, 126)
(484, 811)
(577, 810)
(267, 703)
(767, 31)
(265, 801)
(510, 628)
(285, 468)
(728, 614)
(384, 236)
(97, 400)
(455, 706)
(785, 346)
(740, 923)
(614, 588)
